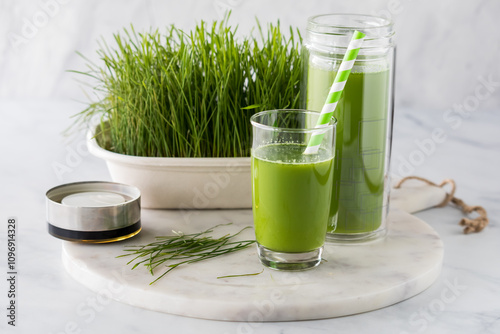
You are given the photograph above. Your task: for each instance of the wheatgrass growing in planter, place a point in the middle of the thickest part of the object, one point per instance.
(191, 94)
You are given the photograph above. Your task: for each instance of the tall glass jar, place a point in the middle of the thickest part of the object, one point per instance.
(364, 113)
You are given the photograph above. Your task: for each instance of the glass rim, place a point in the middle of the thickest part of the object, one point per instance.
(385, 22)
(332, 124)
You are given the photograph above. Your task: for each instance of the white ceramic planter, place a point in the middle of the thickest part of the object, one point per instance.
(181, 183)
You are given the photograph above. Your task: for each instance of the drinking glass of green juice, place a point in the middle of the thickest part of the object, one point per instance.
(291, 191)
(364, 113)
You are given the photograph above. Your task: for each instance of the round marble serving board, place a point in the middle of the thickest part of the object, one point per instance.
(352, 279)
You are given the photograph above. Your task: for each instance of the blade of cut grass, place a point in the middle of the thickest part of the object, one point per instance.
(182, 249)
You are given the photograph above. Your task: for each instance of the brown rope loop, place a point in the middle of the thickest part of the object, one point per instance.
(471, 225)
(449, 196)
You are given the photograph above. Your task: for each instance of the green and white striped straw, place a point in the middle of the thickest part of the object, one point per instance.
(336, 91)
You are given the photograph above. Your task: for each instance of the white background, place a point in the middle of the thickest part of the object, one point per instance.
(446, 49)
(444, 46)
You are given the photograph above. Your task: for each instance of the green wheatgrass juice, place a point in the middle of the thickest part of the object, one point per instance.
(358, 184)
(291, 197)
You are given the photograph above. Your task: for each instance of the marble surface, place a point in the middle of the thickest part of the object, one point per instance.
(414, 195)
(351, 279)
(464, 298)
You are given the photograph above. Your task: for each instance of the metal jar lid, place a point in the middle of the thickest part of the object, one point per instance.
(98, 222)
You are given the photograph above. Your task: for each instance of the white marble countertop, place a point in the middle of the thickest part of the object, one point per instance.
(464, 299)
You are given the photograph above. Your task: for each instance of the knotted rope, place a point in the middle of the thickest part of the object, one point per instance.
(471, 225)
